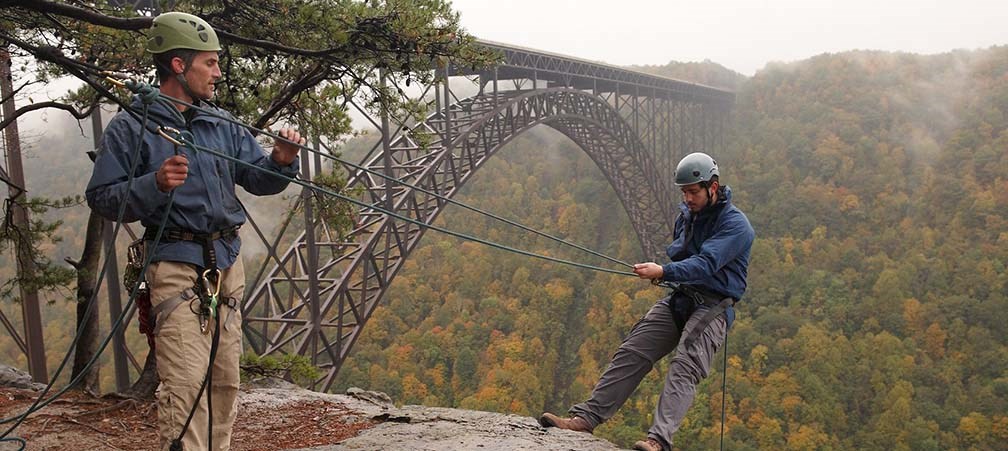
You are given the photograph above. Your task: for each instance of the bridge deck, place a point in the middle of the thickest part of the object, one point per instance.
(578, 73)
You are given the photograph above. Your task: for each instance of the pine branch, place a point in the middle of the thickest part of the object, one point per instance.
(316, 75)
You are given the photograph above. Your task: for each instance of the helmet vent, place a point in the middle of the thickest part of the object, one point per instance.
(696, 173)
(189, 32)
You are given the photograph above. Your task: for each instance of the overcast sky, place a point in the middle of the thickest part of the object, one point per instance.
(742, 35)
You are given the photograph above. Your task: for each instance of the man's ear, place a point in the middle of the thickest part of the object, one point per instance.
(178, 65)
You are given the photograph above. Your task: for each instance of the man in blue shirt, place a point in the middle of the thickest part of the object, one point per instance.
(198, 252)
(708, 268)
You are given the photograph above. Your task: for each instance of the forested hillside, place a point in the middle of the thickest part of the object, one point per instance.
(876, 316)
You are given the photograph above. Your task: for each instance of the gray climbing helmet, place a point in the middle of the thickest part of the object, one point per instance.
(177, 30)
(695, 168)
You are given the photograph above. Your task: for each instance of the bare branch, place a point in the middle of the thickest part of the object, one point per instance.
(19, 88)
(270, 45)
(96, 18)
(38, 106)
(6, 179)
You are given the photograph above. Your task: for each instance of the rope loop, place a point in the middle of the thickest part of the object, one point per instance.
(187, 139)
(147, 93)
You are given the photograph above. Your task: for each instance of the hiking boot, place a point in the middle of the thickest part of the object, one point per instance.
(576, 424)
(648, 445)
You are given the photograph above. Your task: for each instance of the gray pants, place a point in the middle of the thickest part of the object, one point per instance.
(653, 337)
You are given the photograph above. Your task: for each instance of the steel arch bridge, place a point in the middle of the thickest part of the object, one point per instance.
(314, 296)
(318, 295)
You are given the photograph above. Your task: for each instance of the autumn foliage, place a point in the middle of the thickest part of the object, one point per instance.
(876, 313)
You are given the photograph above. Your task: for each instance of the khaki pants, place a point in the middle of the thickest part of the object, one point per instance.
(183, 353)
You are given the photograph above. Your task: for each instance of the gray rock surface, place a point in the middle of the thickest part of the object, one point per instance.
(422, 428)
(15, 378)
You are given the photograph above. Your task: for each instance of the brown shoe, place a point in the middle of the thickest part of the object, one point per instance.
(648, 445)
(577, 424)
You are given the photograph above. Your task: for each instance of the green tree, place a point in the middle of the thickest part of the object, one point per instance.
(284, 62)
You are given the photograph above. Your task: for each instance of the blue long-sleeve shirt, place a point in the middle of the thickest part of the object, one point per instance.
(711, 249)
(206, 202)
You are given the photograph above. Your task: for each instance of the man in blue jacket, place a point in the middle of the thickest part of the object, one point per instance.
(709, 263)
(198, 252)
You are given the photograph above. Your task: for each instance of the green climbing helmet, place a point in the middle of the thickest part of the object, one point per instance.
(177, 30)
(695, 168)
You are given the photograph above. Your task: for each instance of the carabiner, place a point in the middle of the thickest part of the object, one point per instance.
(204, 324)
(163, 131)
(665, 284)
(206, 282)
(212, 294)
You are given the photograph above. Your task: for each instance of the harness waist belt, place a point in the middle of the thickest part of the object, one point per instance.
(189, 235)
(716, 305)
(702, 296)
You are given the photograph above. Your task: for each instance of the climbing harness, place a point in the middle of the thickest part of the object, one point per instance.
(207, 288)
(714, 304)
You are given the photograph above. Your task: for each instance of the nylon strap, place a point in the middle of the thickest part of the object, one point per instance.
(712, 312)
(165, 308)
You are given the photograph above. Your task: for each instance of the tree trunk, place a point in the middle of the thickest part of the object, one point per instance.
(148, 381)
(87, 273)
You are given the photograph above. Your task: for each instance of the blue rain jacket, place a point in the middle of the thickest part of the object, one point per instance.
(714, 256)
(206, 202)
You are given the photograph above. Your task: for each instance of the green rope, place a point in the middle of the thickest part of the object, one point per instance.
(359, 203)
(20, 441)
(39, 403)
(396, 180)
(724, 387)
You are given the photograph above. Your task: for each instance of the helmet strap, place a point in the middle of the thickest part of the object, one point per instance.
(194, 99)
(710, 193)
(181, 78)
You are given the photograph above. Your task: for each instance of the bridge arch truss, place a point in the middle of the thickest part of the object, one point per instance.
(316, 297)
